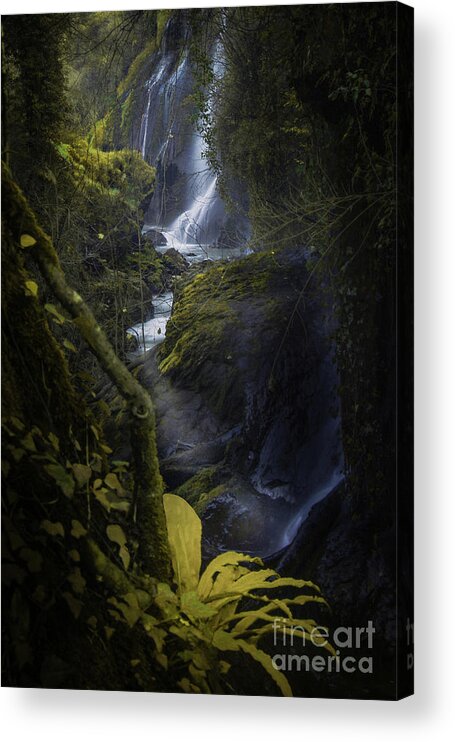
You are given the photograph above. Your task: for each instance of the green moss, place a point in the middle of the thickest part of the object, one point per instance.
(209, 317)
(119, 174)
(200, 489)
(102, 134)
(202, 315)
(151, 263)
(207, 497)
(162, 18)
(136, 68)
(126, 115)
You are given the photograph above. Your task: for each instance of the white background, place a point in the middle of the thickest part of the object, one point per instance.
(49, 715)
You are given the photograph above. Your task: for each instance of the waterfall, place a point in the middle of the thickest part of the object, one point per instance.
(186, 207)
(200, 222)
(152, 84)
(199, 225)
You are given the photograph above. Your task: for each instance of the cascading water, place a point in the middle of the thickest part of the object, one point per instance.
(186, 209)
(199, 224)
(152, 84)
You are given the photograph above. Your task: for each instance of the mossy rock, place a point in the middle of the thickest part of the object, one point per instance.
(227, 322)
(201, 488)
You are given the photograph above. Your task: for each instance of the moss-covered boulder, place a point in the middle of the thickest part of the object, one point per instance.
(225, 322)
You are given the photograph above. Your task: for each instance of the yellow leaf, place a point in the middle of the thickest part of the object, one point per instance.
(162, 659)
(267, 663)
(184, 531)
(27, 240)
(82, 473)
(124, 556)
(116, 534)
(56, 316)
(194, 607)
(69, 346)
(224, 565)
(112, 481)
(54, 440)
(31, 288)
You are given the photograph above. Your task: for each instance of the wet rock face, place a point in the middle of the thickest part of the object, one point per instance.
(174, 261)
(345, 548)
(245, 380)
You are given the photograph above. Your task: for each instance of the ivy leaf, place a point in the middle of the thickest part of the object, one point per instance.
(56, 316)
(113, 483)
(82, 474)
(27, 240)
(28, 442)
(17, 423)
(78, 529)
(124, 555)
(31, 288)
(109, 500)
(64, 480)
(33, 559)
(53, 529)
(116, 534)
(69, 346)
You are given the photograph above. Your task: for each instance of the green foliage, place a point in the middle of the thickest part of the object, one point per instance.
(122, 175)
(208, 612)
(196, 631)
(33, 86)
(100, 195)
(100, 51)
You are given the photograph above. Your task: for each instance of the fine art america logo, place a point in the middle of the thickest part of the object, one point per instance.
(335, 645)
